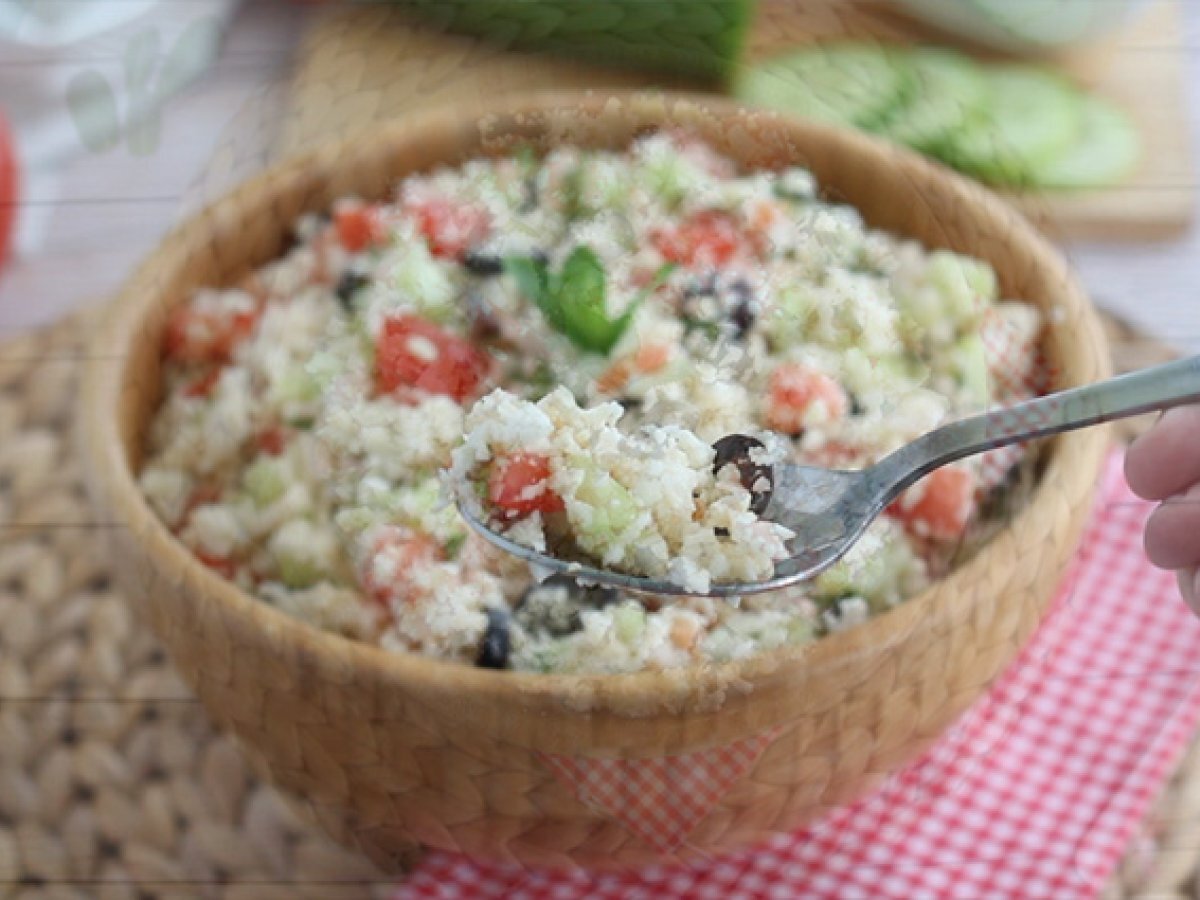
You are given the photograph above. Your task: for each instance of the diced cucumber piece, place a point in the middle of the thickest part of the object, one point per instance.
(964, 284)
(799, 631)
(873, 378)
(612, 508)
(948, 299)
(295, 386)
(265, 481)
(879, 578)
(629, 621)
(303, 553)
(789, 322)
(1029, 117)
(354, 520)
(323, 367)
(969, 365)
(1103, 153)
(841, 83)
(297, 572)
(947, 91)
(424, 282)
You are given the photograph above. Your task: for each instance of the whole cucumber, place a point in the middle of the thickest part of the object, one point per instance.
(702, 39)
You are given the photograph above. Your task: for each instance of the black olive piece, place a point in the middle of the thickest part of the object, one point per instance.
(856, 407)
(484, 324)
(496, 641)
(721, 531)
(348, 285)
(701, 286)
(757, 478)
(700, 308)
(529, 202)
(488, 265)
(553, 606)
(744, 310)
(478, 262)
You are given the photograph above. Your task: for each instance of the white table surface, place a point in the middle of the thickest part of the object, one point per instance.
(109, 209)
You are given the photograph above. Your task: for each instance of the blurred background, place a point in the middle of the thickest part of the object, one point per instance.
(124, 115)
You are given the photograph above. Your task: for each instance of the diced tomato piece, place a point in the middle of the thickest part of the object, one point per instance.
(9, 189)
(647, 359)
(650, 358)
(196, 336)
(615, 377)
(203, 386)
(519, 486)
(412, 352)
(708, 238)
(358, 225)
(388, 567)
(201, 495)
(222, 565)
(940, 505)
(763, 219)
(272, 439)
(450, 228)
(793, 393)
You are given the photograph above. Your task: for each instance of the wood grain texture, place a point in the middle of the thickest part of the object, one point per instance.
(360, 66)
(396, 749)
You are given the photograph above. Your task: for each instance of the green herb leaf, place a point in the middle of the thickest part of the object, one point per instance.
(572, 195)
(573, 302)
(580, 292)
(454, 545)
(533, 280)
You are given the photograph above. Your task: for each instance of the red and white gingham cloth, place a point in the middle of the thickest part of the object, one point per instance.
(1034, 793)
(660, 800)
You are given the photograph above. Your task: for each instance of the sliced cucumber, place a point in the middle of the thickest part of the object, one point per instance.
(1041, 23)
(1029, 118)
(841, 84)
(948, 90)
(1104, 151)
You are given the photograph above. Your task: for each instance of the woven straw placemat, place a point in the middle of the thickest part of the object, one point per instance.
(112, 782)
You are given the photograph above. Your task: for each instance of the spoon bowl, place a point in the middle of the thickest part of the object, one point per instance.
(828, 510)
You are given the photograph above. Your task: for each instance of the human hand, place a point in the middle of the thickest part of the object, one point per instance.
(1164, 465)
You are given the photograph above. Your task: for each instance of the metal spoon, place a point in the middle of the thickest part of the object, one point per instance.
(829, 510)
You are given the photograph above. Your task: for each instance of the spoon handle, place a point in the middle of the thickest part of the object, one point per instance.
(1159, 387)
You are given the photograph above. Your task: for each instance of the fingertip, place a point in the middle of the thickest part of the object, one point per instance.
(1170, 532)
(1163, 461)
(1134, 467)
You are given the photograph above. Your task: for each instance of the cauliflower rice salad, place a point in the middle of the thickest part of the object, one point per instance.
(630, 339)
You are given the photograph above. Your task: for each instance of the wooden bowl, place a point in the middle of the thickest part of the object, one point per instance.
(392, 749)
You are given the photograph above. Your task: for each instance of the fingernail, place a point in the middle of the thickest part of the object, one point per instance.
(1189, 586)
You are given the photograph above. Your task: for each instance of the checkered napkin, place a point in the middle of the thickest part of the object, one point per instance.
(1034, 793)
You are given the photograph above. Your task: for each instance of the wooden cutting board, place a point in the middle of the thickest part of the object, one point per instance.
(361, 64)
